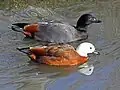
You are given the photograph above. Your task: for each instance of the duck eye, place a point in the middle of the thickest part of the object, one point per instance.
(94, 19)
(90, 47)
(90, 69)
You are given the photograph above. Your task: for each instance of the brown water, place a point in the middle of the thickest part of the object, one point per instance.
(18, 73)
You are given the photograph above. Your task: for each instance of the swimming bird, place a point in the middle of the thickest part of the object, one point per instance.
(60, 55)
(56, 31)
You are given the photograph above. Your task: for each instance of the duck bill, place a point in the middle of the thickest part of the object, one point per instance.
(96, 53)
(97, 21)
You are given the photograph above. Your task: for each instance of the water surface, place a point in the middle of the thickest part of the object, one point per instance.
(18, 73)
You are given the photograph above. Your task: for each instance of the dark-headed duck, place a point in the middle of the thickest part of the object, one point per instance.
(57, 32)
(60, 55)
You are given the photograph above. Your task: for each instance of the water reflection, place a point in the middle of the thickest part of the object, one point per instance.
(86, 69)
(30, 77)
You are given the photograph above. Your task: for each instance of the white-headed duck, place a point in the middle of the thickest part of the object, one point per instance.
(60, 55)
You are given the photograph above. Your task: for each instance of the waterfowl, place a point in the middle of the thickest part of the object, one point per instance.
(60, 55)
(55, 31)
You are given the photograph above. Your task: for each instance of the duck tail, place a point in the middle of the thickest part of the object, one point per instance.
(25, 50)
(19, 27)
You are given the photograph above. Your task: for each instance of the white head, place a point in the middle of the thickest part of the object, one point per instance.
(85, 48)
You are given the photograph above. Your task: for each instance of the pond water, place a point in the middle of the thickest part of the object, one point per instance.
(18, 73)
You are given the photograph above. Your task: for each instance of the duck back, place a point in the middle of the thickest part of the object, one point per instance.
(59, 33)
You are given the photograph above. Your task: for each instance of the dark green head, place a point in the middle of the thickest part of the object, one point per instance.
(85, 20)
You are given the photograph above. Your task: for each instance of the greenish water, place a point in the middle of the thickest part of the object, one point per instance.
(18, 73)
(22, 4)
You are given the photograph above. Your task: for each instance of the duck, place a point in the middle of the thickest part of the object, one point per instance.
(56, 31)
(59, 55)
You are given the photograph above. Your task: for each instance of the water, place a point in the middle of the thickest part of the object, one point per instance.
(18, 73)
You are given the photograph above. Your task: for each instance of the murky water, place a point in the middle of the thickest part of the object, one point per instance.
(18, 73)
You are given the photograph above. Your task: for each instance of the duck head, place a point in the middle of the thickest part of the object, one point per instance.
(86, 48)
(85, 20)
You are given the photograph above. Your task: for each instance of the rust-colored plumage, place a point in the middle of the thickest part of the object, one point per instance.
(32, 28)
(57, 55)
(60, 55)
